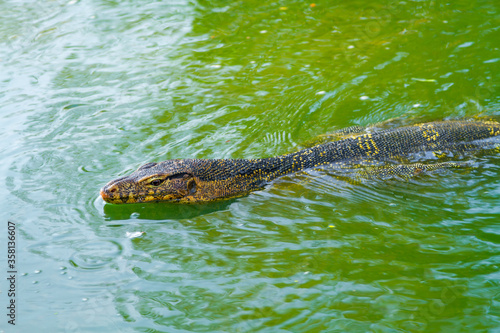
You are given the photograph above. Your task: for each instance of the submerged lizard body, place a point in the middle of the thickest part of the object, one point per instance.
(201, 180)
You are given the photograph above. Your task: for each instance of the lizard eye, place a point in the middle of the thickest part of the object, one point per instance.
(156, 182)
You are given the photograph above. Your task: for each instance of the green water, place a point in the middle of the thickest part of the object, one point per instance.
(90, 90)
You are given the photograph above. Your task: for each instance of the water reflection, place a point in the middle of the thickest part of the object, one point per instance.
(163, 210)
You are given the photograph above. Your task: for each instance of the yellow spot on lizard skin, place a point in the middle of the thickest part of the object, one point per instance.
(368, 145)
(439, 154)
(428, 132)
(493, 132)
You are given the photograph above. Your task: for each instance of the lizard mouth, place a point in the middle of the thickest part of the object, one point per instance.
(105, 195)
(111, 196)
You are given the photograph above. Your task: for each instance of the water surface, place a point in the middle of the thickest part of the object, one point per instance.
(90, 90)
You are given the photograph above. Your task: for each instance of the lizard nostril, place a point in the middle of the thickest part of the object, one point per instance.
(104, 195)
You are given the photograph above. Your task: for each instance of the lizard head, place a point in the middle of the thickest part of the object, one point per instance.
(171, 180)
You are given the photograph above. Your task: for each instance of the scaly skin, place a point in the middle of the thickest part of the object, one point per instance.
(201, 180)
